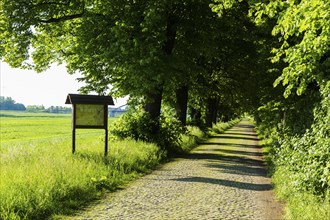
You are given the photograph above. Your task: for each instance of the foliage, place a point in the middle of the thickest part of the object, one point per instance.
(138, 47)
(137, 124)
(303, 28)
(173, 138)
(40, 177)
(191, 138)
(299, 204)
(298, 123)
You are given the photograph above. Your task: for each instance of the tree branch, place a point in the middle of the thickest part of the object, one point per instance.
(63, 18)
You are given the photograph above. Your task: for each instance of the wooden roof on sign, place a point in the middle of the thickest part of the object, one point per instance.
(89, 99)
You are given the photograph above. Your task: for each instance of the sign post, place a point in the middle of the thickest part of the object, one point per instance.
(89, 112)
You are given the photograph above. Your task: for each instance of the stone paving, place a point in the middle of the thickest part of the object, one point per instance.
(223, 178)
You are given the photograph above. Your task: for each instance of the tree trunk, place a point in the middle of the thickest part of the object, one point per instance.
(196, 117)
(181, 104)
(211, 112)
(153, 106)
(170, 34)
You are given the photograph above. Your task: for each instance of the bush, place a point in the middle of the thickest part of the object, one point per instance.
(138, 125)
(302, 160)
(191, 138)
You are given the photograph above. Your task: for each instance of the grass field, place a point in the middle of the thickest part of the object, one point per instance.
(40, 177)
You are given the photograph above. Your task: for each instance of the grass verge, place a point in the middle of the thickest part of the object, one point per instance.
(44, 179)
(221, 127)
(298, 204)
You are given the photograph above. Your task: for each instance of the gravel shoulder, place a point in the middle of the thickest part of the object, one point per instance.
(224, 178)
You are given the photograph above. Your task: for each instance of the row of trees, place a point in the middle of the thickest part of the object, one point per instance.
(7, 103)
(51, 109)
(168, 51)
(216, 58)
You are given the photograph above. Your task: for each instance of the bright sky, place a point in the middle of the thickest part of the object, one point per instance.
(49, 88)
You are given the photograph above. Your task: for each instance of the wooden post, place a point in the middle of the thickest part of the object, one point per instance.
(106, 130)
(74, 128)
(106, 143)
(73, 140)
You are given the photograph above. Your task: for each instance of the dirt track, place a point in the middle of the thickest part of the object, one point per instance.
(223, 178)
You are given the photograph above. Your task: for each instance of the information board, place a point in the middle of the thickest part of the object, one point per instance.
(89, 112)
(89, 115)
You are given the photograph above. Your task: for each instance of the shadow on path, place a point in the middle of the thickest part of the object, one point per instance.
(240, 133)
(227, 183)
(239, 152)
(240, 169)
(225, 158)
(241, 125)
(230, 144)
(236, 137)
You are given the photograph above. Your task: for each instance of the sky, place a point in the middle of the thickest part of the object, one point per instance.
(48, 88)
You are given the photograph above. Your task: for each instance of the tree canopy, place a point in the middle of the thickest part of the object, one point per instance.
(140, 48)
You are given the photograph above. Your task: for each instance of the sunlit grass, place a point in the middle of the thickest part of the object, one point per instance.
(299, 204)
(220, 127)
(191, 139)
(40, 177)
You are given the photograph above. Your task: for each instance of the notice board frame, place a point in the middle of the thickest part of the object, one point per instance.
(78, 100)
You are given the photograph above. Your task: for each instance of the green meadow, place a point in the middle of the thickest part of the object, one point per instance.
(41, 178)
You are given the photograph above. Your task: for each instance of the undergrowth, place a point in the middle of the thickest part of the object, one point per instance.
(221, 127)
(299, 157)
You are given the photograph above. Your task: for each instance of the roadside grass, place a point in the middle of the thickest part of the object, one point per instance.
(195, 135)
(191, 139)
(40, 178)
(299, 205)
(221, 127)
(44, 178)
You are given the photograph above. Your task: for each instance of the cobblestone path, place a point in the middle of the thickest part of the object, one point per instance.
(223, 178)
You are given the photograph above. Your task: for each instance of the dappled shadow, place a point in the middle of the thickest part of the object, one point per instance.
(227, 183)
(236, 137)
(236, 130)
(239, 152)
(241, 133)
(230, 144)
(244, 125)
(239, 169)
(224, 158)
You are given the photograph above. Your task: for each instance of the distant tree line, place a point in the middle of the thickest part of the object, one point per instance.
(59, 109)
(7, 103)
(51, 109)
